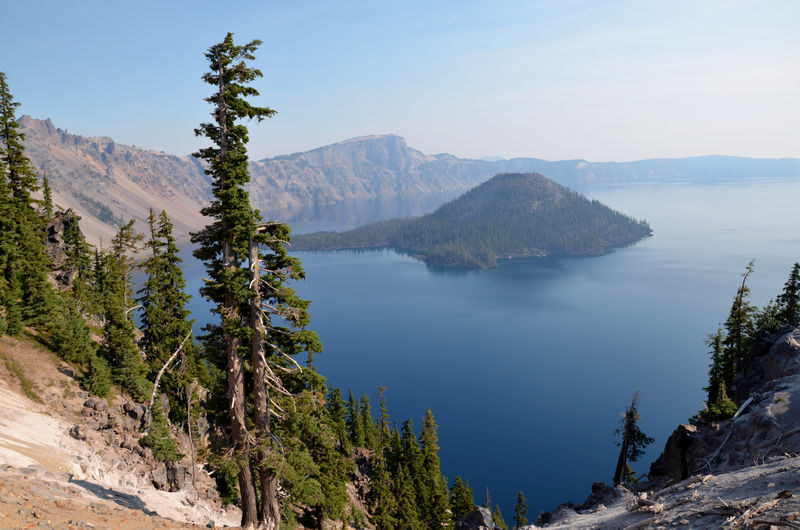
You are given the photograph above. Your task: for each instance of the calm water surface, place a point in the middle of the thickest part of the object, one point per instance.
(528, 366)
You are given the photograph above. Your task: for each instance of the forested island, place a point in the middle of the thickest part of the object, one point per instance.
(512, 215)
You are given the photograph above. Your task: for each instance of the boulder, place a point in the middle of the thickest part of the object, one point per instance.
(601, 494)
(673, 462)
(134, 410)
(95, 403)
(176, 476)
(478, 519)
(159, 478)
(78, 432)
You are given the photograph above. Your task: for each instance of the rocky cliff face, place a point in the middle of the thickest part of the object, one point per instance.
(742, 472)
(766, 430)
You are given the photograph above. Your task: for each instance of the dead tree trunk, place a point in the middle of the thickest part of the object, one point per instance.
(270, 510)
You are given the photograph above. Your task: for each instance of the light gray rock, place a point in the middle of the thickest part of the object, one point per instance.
(478, 519)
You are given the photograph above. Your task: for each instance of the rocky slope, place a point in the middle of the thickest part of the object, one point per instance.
(67, 459)
(743, 472)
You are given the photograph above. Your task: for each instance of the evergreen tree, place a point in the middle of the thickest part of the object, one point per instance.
(13, 314)
(413, 459)
(158, 439)
(383, 420)
(407, 516)
(71, 336)
(119, 344)
(633, 439)
(97, 378)
(315, 472)
(716, 376)
(165, 323)
(247, 267)
(47, 199)
(366, 423)
(739, 330)
(338, 416)
(462, 500)
(520, 511)
(124, 247)
(789, 299)
(381, 493)
(497, 518)
(354, 425)
(79, 259)
(24, 262)
(435, 504)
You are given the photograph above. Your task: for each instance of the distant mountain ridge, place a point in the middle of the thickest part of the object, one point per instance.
(106, 181)
(511, 215)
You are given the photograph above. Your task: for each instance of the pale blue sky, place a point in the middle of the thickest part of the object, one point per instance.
(600, 80)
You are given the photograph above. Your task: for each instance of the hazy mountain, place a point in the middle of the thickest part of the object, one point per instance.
(511, 215)
(104, 180)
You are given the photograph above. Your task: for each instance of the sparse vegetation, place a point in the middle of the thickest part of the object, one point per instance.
(15, 369)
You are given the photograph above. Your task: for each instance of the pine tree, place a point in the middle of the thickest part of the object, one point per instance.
(366, 423)
(633, 439)
(381, 495)
(435, 504)
(354, 425)
(165, 324)
(124, 247)
(97, 378)
(462, 500)
(739, 330)
(119, 344)
(79, 259)
(789, 299)
(158, 439)
(520, 511)
(24, 262)
(47, 199)
(338, 415)
(407, 516)
(497, 518)
(413, 459)
(716, 376)
(71, 336)
(247, 266)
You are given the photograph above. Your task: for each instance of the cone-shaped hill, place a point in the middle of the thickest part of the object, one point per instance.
(512, 215)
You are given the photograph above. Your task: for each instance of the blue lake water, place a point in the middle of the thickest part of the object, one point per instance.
(528, 366)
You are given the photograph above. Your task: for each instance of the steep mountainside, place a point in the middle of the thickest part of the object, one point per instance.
(511, 215)
(106, 182)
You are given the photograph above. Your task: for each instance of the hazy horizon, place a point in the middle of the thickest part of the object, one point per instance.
(600, 81)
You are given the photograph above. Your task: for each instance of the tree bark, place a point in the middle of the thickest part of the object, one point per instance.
(270, 510)
(236, 404)
(622, 460)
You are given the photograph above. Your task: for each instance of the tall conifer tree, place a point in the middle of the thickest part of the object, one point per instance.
(24, 262)
(520, 511)
(789, 299)
(436, 502)
(247, 266)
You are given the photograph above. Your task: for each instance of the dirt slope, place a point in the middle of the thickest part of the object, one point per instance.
(50, 479)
